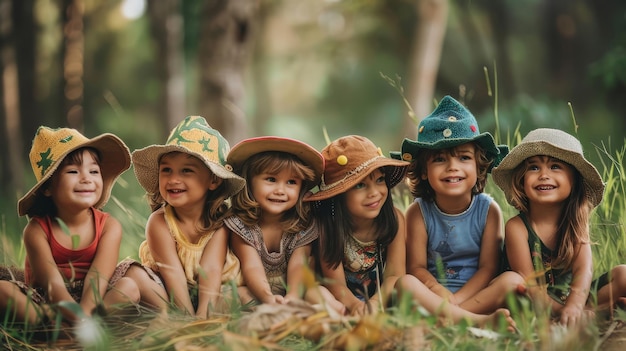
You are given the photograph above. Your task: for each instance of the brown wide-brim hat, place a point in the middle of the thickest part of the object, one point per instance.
(51, 146)
(348, 160)
(245, 149)
(192, 136)
(554, 143)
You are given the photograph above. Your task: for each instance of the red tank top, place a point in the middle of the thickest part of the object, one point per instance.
(71, 263)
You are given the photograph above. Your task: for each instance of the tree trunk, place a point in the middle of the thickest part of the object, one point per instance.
(11, 162)
(225, 40)
(73, 64)
(430, 31)
(24, 24)
(166, 24)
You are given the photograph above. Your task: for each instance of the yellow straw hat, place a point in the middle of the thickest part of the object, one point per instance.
(50, 146)
(195, 137)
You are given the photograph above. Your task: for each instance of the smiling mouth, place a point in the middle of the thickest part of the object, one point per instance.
(175, 191)
(546, 187)
(453, 180)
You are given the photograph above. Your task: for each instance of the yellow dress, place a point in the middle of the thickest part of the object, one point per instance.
(190, 253)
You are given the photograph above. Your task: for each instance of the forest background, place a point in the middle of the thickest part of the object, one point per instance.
(298, 68)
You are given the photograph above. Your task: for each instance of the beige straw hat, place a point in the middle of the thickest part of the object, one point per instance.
(348, 160)
(554, 143)
(50, 146)
(192, 136)
(252, 146)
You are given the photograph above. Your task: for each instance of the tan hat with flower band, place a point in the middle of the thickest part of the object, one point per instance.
(51, 146)
(554, 143)
(252, 146)
(193, 136)
(348, 160)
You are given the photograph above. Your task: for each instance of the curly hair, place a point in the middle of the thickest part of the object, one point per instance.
(214, 208)
(421, 187)
(43, 205)
(243, 204)
(573, 229)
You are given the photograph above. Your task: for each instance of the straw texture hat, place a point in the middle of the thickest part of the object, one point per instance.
(252, 146)
(449, 125)
(195, 137)
(50, 146)
(348, 160)
(554, 143)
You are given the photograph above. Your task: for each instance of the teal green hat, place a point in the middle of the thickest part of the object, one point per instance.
(449, 125)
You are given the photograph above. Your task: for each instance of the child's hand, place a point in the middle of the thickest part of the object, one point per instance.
(358, 309)
(571, 315)
(276, 299)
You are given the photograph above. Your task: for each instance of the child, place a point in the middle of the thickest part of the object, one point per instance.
(71, 245)
(187, 182)
(547, 178)
(362, 234)
(272, 226)
(454, 230)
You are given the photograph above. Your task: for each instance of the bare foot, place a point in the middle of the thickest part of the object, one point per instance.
(492, 321)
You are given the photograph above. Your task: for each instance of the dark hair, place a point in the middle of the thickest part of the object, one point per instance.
(418, 167)
(43, 205)
(248, 210)
(335, 225)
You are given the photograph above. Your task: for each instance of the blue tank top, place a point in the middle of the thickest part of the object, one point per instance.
(454, 240)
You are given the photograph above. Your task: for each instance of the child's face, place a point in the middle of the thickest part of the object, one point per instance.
(547, 180)
(452, 175)
(184, 180)
(276, 193)
(365, 199)
(76, 186)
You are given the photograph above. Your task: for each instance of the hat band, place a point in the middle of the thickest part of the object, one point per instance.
(361, 167)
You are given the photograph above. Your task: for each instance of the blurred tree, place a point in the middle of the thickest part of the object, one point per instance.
(432, 18)
(166, 24)
(73, 62)
(225, 40)
(11, 163)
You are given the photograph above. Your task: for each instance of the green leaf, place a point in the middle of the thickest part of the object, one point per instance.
(63, 226)
(75, 241)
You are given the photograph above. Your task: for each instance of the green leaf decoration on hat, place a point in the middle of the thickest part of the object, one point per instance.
(205, 144)
(67, 139)
(45, 161)
(176, 135)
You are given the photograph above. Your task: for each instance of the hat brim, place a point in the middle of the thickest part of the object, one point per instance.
(594, 187)
(114, 160)
(395, 170)
(146, 168)
(241, 152)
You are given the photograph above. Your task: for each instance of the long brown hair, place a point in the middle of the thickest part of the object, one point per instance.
(248, 210)
(573, 229)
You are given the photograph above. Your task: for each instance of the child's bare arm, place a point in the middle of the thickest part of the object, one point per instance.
(102, 266)
(298, 262)
(416, 251)
(163, 250)
(335, 282)
(489, 259)
(210, 275)
(45, 271)
(395, 267)
(582, 274)
(252, 270)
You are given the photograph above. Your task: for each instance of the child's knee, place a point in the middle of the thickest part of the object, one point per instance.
(618, 277)
(128, 288)
(509, 280)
